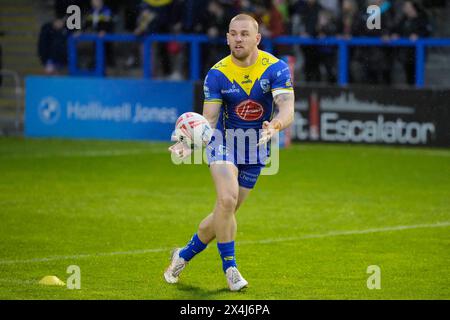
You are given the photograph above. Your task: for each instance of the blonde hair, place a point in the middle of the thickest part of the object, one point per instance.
(246, 17)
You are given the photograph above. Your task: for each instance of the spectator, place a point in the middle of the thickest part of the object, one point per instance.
(131, 11)
(52, 46)
(60, 6)
(283, 7)
(154, 17)
(219, 16)
(270, 19)
(1, 59)
(130, 14)
(326, 27)
(247, 7)
(307, 15)
(377, 62)
(99, 18)
(349, 24)
(191, 15)
(414, 24)
(188, 17)
(330, 5)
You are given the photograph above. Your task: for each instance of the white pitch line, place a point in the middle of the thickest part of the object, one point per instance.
(19, 282)
(85, 153)
(244, 242)
(83, 256)
(348, 232)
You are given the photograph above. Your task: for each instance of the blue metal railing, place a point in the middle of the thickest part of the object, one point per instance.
(195, 42)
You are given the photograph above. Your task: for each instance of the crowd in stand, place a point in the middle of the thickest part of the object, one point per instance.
(306, 18)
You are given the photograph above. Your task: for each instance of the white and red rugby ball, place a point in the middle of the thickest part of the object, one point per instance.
(193, 128)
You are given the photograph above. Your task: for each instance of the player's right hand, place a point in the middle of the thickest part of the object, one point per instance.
(268, 131)
(180, 149)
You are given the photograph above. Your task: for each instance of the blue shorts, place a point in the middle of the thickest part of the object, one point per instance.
(248, 174)
(249, 167)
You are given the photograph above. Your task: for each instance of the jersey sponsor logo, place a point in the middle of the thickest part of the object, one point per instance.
(265, 85)
(206, 92)
(247, 79)
(249, 110)
(233, 89)
(218, 65)
(265, 61)
(280, 72)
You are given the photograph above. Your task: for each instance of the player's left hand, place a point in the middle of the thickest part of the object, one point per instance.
(269, 129)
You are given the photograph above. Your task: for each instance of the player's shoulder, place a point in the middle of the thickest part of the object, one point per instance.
(267, 59)
(273, 63)
(219, 69)
(223, 64)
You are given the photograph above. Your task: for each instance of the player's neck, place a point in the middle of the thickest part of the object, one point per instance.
(247, 62)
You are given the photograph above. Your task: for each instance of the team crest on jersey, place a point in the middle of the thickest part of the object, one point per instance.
(222, 151)
(249, 110)
(265, 85)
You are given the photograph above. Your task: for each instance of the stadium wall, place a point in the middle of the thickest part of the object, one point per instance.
(100, 108)
(371, 115)
(106, 108)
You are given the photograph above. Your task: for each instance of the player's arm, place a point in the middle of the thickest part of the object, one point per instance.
(284, 102)
(213, 98)
(211, 111)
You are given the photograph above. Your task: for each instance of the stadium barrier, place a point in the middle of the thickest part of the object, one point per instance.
(195, 42)
(100, 108)
(18, 92)
(368, 115)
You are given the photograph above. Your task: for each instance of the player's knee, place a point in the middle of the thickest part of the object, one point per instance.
(227, 202)
(205, 227)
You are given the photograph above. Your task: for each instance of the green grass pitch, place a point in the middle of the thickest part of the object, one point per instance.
(115, 209)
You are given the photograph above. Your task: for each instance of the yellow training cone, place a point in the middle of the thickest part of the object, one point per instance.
(51, 281)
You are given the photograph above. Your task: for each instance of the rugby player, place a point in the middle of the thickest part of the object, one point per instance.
(242, 91)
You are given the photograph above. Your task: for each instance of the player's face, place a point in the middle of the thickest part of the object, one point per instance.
(242, 38)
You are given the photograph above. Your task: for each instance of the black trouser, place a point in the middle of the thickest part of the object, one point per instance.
(408, 58)
(1, 66)
(328, 60)
(311, 66)
(377, 65)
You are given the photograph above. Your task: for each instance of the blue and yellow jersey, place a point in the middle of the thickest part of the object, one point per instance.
(246, 93)
(99, 20)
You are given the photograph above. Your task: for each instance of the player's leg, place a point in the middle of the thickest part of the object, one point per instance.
(206, 231)
(243, 194)
(246, 180)
(225, 179)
